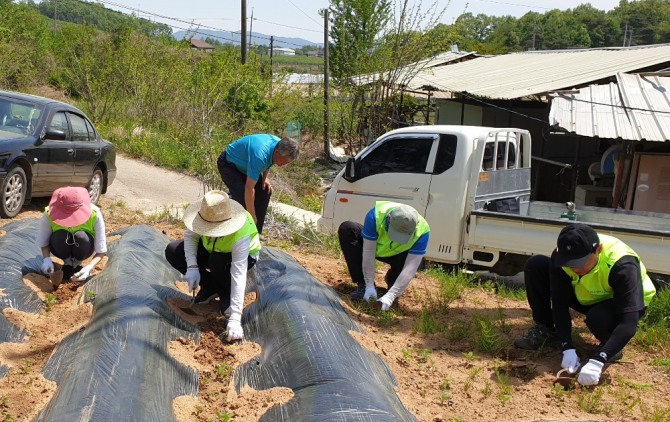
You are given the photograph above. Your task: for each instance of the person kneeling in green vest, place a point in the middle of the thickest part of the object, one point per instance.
(596, 275)
(71, 229)
(220, 245)
(393, 233)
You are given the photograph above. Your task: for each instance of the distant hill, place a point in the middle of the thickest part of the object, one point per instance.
(257, 38)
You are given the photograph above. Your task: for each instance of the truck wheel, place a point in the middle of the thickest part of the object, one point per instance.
(95, 185)
(13, 192)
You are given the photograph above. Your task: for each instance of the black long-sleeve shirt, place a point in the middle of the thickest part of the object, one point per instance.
(628, 297)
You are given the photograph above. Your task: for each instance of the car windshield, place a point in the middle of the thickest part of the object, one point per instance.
(18, 118)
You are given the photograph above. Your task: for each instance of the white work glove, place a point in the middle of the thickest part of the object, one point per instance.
(570, 361)
(590, 373)
(192, 277)
(82, 274)
(47, 265)
(386, 303)
(234, 330)
(370, 292)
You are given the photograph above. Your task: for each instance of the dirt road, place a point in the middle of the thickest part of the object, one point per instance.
(145, 187)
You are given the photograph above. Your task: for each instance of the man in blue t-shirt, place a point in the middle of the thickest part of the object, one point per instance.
(244, 167)
(393, 233)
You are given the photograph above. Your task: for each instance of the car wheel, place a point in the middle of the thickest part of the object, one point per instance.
(13, 193)
(95, 185)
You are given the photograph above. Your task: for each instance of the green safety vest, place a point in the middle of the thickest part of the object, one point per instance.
(385, 247)
(594, 287)
(225, 243)
(88, 226)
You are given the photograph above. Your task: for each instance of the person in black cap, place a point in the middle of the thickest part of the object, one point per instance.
(393, 233)
(596, 275)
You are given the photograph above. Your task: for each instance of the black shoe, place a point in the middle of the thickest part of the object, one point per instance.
(358, 293)
(67, 272)
(537, 337)
(205, 295)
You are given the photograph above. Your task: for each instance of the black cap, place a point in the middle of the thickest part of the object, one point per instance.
(574, 245)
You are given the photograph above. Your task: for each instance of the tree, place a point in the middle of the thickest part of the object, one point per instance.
(649, 20)
(376, 52)
(355, 25)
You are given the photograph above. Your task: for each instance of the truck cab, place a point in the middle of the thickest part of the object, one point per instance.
(444, 172)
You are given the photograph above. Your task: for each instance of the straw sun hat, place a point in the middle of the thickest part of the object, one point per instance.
(215, 215)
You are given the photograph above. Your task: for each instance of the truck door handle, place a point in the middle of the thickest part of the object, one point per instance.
(70, 151)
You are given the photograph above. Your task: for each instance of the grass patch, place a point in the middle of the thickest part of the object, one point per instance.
(426, 324)
(451, 286)
(663, 363)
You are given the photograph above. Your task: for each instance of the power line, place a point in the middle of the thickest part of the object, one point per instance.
(303, 12)
(190, 23)
(288, 26)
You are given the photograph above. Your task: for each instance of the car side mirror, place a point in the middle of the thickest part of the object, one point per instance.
(55, 134)
(350, 174)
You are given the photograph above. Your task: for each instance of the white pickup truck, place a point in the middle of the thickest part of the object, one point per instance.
(472, 184)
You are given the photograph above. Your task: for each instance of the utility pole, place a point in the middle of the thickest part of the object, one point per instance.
(627, 39)
(251, 26)
(272, 50)
(326, 99)
(243, 32)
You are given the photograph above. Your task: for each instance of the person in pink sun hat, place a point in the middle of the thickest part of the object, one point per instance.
(72, 229)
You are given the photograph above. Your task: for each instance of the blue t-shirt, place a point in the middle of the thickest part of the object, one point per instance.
(370, 232)
(252, 154)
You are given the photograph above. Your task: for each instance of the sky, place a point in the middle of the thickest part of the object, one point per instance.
(301, 18)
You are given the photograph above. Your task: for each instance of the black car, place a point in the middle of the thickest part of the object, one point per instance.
(46, 144)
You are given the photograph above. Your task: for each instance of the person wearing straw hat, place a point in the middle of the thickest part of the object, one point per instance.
(72, 229)
(244, 167)
(220, 245)
(393, 233)
(596, 275)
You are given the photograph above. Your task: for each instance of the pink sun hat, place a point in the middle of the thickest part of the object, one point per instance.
(70, 206)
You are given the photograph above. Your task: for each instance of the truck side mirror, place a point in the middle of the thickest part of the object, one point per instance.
(350, 170)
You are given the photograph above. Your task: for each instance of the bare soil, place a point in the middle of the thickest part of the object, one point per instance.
(440, 377)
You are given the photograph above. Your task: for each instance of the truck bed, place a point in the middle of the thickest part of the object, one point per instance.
(535, 228)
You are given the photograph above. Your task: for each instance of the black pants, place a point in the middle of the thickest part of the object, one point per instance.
(351, 242)
(235, 180)
(601, 318)
(64, 244)
(214, 267)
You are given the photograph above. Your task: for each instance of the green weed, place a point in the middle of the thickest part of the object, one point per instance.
(451, 286)
(426, 324)
(224, 416)
(50, 300)
(656, 414)
(663, 363)
(633, 385)
(446, 384)
(489, 340)
(505, 386)
(591, 401)
(224, 370)
(458, 331)
(508, 292)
